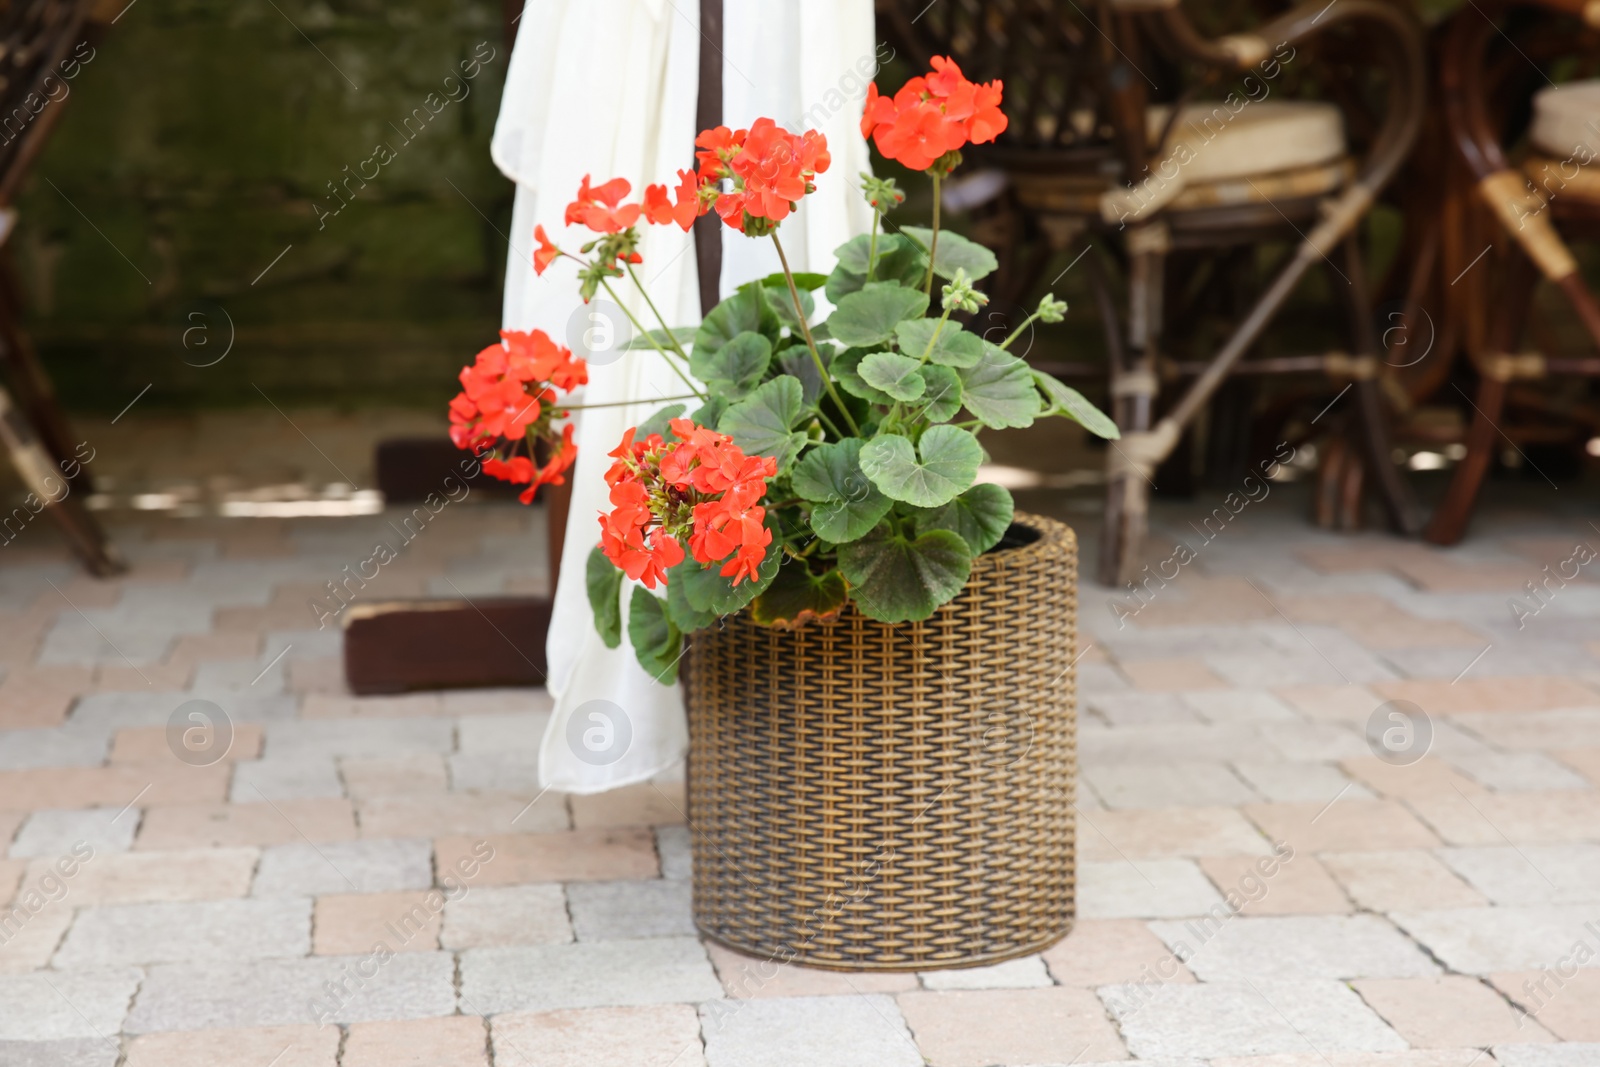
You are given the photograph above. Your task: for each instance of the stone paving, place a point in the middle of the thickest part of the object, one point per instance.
(1261, 884)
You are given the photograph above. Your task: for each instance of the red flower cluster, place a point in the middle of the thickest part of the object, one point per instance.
(601, 208)
(769, 168)
(932, 116)
(505, 395)
(700, 485)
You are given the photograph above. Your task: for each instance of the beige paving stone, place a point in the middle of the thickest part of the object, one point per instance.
(1448, 1011)
(148, 745)
(1416, 633)
(349, 924)
(1513, 694)
(643, 804)
(451, 1041)
(165, 783)
(161, 677)
(1485, 940)
(1283, 947)
(1108, 835)
(148, 877)
(29, 938)
(11, 872)
(1143, 889)
(1017, 1026)
(1586, 761)
(1336, 609)
(487, 916)
(266, 1046)
(592, 974)
(857, 1031)
(40, 697)
(1428, 777)
(276, 823)
(320, 674)
(1567, 728)
(1161, 785)
(1343, 826)
(202, 648)
(1400, 881)
(1566, 1001)
(1028, 972)
(1171, 675)
(420, 814)
(9, 822)
(1299, 886)
(1530, 874)
(570, 856)
(745, 977)
(1113, 952)
(421, 772)
(1459, 1057)
(649, 1035)
(1522, 818)
(329, 706)
(1338, 703)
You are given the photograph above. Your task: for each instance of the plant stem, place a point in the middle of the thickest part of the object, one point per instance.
(933, 244)
(800, 313)
(625, 403)
(872, 248)
(637, 284)
(926, 352)
(646, 333)
(1018, 331)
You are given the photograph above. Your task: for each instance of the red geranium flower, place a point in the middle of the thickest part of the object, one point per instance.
(601, 208)
(546, 253)
(683, 210)
(933, 116)
(768, 170)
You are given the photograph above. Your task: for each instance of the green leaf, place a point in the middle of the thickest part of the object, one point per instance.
(946, 468)
(684, 615)
(656, 641)
(869, 317)
(981, 516)
(895, 579)
(942, 399)
(707, 591)
(734, 369)
(783, 305)
(659, 338)
(955, 252)
(604, 581)
(1065, 400)
(762, 423)
(745, 311)
(846, 505)
(657, 423)
(802, 280)
(893, 373)
(796, 596)
(710, 413)
(796, 360)
(952, 346)
(999, 391)
(845, 369)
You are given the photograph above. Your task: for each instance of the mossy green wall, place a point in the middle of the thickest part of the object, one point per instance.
(198, 143)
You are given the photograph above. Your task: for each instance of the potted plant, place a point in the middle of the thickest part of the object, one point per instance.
(878, 650)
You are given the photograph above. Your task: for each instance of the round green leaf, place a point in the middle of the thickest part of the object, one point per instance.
(762, 423)
(869, 317)
(946, 467)
(845, 371)
(981, 516)
(942, 398)
(999, 391)
(955, 253)
(893, 373)
(746, 310)
(1065, 400)
(656, 641)
(802, 281)
(734, 369)
(707, 591)
(796, 596)
(845, 503)
(895, 579)
(604, 582)
(658, 423)
(951, 345)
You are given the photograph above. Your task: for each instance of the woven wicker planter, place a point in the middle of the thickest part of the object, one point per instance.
(893, 798)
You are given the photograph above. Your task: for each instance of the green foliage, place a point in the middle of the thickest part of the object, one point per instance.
(796, 596)
(734, 369)
(999, 390)
(656, 641)
(605, 596)
(868, 317)
(845, 505)
(895, 578)
(934, 472)
(762, 424)
(981, 516)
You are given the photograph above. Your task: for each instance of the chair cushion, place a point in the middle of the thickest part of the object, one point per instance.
(1261, 138)
(1566, 117)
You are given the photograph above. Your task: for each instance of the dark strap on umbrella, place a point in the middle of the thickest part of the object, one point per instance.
(708, 113)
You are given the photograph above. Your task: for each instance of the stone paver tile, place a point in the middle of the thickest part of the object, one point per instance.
(148, 745)
(1337, 609)
(148, 877)
(1532, 874)
(187, 931)
(1265, 886)
(339, 706)
(58, 833)
(70, 1004)
(1113, 952)
(317, 674)
(1280, 947)
(643, 804)
(380, 865)
(1400, 881)
(647, 1035)
(1344, 826)
(744, 977)
(264, 1046)
(1416, 633)
(1161, 785)
(418, 814)
(278, 822)
(1129, 708)
(1428, 777)
(1565, 729)
(369, 738)
(1448, 1011)
(1143, 889)
(1023, 1026)
(1238, 706)
(167, 782)
(1484, 940)
(656, 970)
(10, 823)
(1171, 675)
(28, 937)
(491, 916)
(1337, 703)
(1567, 1007)
(1584, 760)
(202, 648)
(1518, 771)
(512, 701)
(452, 1041)
(1522, 818)
(1518, 694)
(808, 1032)
(571, 856)
(1026, 973)
(677, 855)
(289, 776)
(609, 911)
(121, 678)
(480, 735)
(349, 924)
(1547, 1055)
(73, 1052)
(1160, 832)
(505, 771)
(421, 772)
(1209, 1019)
(199, 996)
(11, 872)
(1460, 1057)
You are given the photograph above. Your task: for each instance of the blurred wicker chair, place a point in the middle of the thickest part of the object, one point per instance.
(1499, 105)
(1215, 183)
